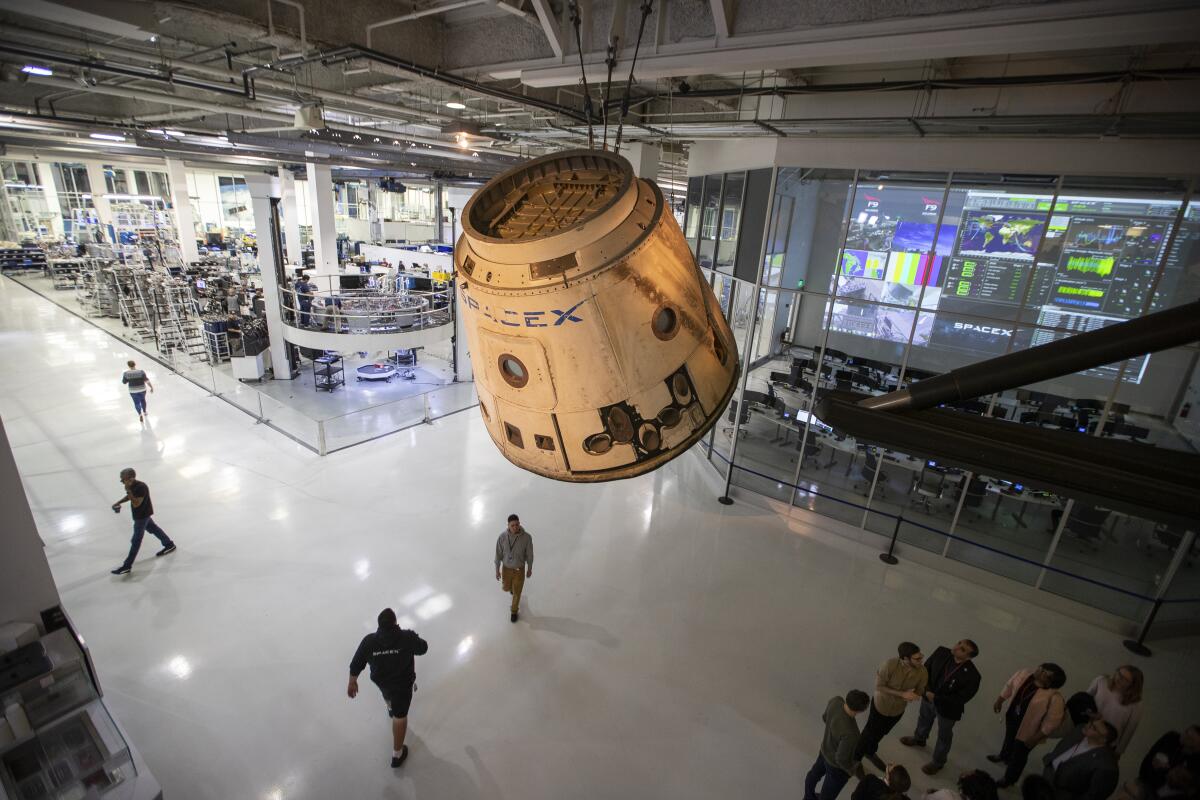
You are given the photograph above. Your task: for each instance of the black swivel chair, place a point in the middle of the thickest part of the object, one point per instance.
(1085, 523)
(870, 464)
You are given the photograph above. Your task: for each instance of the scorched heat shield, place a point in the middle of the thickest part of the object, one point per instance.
(599, 351)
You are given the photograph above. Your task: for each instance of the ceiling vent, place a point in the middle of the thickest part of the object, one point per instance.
(309, 118)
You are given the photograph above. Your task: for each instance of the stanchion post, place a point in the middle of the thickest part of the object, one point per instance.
(1138, 645)
(888, 557)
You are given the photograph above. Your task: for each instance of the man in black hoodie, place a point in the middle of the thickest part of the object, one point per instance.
(953, 681)
(390, 652)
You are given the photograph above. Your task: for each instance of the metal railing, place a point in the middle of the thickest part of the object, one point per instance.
(328, 307)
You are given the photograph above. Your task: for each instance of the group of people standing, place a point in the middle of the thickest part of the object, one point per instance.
(1093, 728)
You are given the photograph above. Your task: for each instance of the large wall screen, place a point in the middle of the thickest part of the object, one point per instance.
(1008, 270)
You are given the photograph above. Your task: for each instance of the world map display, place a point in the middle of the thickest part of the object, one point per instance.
(1001, 234)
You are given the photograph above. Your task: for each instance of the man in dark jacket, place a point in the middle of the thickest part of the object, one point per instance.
(390, 652)
(953, 681)
(1084, 765)
(835, 759)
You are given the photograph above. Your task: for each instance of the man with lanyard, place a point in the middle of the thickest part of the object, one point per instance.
(514, 550)
(953, 681)
(1084, 765)
(1035, 710)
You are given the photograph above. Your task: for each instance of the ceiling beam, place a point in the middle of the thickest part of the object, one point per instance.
(1053, 27)
(549, 25)
(722, 11)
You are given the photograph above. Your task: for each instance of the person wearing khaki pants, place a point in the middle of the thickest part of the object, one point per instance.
(514, 561)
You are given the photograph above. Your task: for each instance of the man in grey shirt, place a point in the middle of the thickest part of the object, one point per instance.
(514, 550)
(835, 760)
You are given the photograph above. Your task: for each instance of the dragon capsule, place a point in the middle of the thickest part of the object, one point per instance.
(599, 350)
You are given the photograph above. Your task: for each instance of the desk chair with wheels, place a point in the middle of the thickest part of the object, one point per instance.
(1085, 524)
(976, 490)
(928, 487)
(870, 464)
(733, 415)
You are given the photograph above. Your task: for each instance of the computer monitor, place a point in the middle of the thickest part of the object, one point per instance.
(200, 284)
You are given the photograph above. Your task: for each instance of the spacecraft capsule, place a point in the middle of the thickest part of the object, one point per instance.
(599, 349)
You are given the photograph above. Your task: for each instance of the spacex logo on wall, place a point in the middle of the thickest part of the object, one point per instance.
(931, 205)
(985, 329)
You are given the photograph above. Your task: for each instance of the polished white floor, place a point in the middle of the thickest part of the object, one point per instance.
(670, 647)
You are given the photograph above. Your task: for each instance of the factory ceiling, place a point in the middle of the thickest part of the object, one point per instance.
(462, 89)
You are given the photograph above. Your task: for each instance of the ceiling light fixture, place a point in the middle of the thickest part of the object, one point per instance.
(156, 131)
(108, 137)
(179, 134)
(34, 69)
(457, 106)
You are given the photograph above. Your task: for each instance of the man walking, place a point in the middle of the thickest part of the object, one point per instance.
(898, 681)
(838, 743)
(138, 496)
(514, 561)
(953, 681)
(390, 651)
(137, 382)
(1084, 765)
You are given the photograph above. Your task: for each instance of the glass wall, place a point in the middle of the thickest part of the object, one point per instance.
(872, 280)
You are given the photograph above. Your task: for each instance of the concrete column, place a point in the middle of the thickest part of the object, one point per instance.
(45, 177)
(374, 212)
(320, 208)
(644, 157)
(9, 230)
(26, 585)
(438, 213)
(131, 182)
(95, 173)
(181, 205)
(291, 217)
(262, 189)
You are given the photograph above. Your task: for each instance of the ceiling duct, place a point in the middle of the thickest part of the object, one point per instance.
(309, 117)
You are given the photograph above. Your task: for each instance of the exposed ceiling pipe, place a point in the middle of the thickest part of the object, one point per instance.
(348, 53)
(271, 22)
(141, 94)
(425, 12)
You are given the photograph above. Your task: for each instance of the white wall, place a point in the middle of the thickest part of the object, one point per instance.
(26, 585)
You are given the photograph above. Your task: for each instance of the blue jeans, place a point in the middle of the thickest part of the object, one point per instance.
(305, 309)
(139, 401)
(945, 734)
(835, 779)
(140, 527)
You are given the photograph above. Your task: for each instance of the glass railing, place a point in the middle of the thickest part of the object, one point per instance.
(325, 306)
(318, 432)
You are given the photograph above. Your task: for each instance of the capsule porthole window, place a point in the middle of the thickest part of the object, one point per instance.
(513, 371)
(665, 322)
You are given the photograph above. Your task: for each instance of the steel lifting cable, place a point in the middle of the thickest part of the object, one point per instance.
(647, 6)
(610, 58)
(588, 110)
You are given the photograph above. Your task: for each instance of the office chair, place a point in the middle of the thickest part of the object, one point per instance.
(1086, 523)
(870, 464)
(812, 449)
(733, 415)
(976, 490)
(1169, 537)
(930, 484)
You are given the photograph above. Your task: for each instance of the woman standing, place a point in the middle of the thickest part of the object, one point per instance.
(1119, 701)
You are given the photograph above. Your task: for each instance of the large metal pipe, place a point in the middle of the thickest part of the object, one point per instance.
(1149, 334)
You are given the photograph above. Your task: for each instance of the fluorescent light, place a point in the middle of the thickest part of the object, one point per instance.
(158, 131)
(457, 106)
(170, 132)
(34, 69)
(108, 137)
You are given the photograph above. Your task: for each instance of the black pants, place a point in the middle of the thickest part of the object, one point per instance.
(1014, 752)
(878, 726)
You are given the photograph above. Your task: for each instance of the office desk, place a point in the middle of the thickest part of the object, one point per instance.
(1026, 499)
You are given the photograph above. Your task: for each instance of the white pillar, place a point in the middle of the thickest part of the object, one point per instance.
(291, 217)
(320, 208)
(262, 189)
(45, 177)
(181, 204)
(374, 212)
(99, 187)
(131, 182)
(644, 158)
